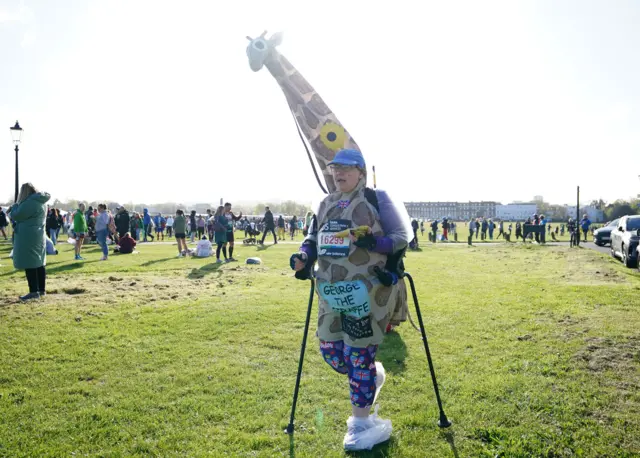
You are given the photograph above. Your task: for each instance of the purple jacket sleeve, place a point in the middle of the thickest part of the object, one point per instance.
(311, 250)
(384, 245)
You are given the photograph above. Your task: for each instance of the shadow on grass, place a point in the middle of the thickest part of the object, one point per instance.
(156, 261)
(379, 451)
(205, 270)
(64, 266)
(263, 247)
(68, 267)
(392, 353)
(450, 438)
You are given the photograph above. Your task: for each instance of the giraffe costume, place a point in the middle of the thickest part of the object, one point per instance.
(320, 126)
(355, 307)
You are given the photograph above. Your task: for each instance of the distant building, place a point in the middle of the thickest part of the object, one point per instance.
(515, 211)
(457, 211)
(538, 199)
(201, 208)
(595, 215)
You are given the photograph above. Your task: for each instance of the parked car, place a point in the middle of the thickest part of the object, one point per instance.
(602, 236)
(624, 240)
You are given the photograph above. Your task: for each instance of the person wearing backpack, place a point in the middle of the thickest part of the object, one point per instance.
(349, 278)
(414, 226)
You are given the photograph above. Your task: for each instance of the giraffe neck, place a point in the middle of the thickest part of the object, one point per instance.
(311, 112)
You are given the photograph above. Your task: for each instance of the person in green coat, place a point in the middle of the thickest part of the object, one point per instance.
(29, 244)
(80, 229)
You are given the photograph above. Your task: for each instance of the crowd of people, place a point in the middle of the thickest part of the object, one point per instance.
(123, 230)
(485, 229)
(214, 232)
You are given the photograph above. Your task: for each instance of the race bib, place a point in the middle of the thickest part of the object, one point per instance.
(349, 298)
(329, 244)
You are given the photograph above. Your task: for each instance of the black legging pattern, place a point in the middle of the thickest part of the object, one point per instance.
(37, 279)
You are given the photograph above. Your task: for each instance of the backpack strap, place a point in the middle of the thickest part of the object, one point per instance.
(372, 198)
(394, 262)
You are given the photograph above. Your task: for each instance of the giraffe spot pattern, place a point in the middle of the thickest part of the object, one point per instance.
(334, 213)
(309, 117)
(372, 272)
(301, 84)
(359, 257)
(362, 215)
(338, 273)
(303, 126)
(293, 97)
(364, 280)
(382, 296)
(318, 105)
(321, 150)
(400, 312)
(323, 265)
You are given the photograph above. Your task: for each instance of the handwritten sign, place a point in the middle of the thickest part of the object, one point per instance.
(347, 297)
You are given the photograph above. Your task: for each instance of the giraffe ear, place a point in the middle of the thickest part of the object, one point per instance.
(276, 39)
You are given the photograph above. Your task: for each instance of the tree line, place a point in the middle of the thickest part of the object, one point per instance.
(288, 207)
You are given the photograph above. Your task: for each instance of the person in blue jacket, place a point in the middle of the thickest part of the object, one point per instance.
(146, 220)
(159, 222)
(584, 224)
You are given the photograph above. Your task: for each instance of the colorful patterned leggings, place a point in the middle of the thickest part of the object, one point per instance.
(358, 363)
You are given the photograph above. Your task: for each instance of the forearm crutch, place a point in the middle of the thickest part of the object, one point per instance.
(290, 428)
(443, 422)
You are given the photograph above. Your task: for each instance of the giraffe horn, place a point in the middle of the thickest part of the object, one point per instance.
(263, 34)
(249, 38)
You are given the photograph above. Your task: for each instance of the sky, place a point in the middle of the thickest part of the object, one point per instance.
(154, 101)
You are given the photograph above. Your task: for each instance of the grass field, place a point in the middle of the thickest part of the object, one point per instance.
(537, 351)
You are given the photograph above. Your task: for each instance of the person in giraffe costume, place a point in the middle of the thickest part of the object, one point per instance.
(355, 233)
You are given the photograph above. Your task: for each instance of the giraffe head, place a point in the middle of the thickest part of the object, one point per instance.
(259, 49)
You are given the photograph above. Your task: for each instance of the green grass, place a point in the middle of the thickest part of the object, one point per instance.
(536, 348)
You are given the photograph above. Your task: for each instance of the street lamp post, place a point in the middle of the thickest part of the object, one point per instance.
(16, 135)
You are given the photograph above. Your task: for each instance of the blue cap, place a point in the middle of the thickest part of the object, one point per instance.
(349, 157)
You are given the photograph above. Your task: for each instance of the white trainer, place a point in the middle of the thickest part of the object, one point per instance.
(366, 433)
